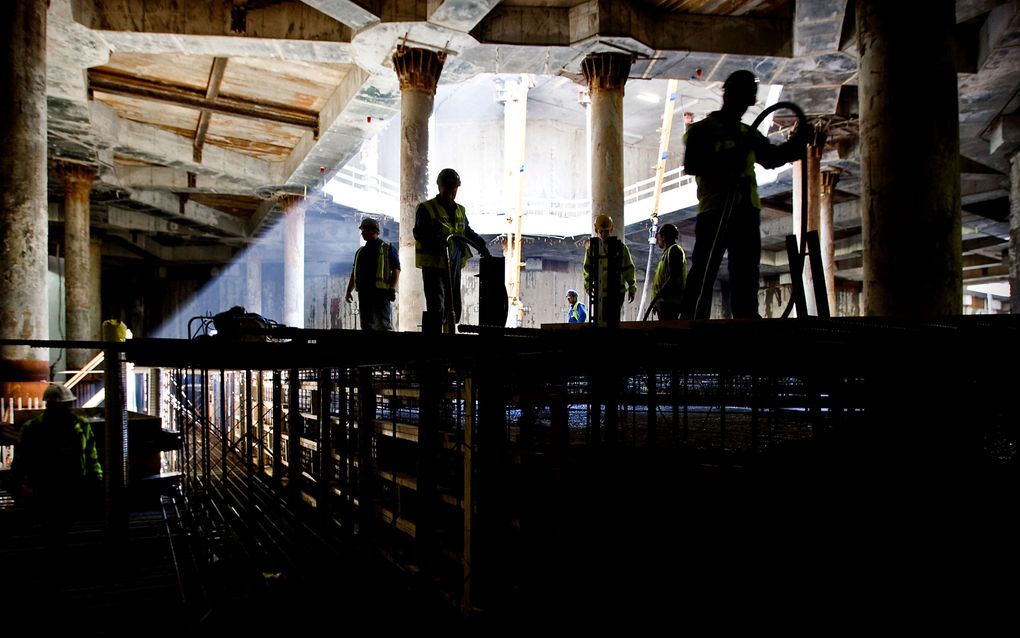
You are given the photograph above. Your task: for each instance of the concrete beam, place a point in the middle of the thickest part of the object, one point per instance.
(525, 26)
(982, 243)
(667, 31)
(118, 218)
(173, 179)
(990, 274)
(461, 15)
(345, 11)
(818, 26)
(282, 20)
(214, 254)
(1005, 135)
(610, 19)
(129, 219)
(1001, 20)
(844, 215)
(170, 205)
(260, 220)
(341, 121)
(70, 48)
(157, 146)
(975, 262)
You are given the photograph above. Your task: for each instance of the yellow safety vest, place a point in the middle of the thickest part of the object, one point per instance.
(383, 269)
(426, 257)
(627, 279)
(675, 293)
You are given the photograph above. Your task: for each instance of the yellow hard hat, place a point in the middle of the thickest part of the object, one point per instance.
(603, 222)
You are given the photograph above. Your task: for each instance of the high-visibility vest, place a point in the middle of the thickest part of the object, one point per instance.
(626, 282)
(428, 257)
(576, 313)
(383, 268)
(727, 139)
(674, 294)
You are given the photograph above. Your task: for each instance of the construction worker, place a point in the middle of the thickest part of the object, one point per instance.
(442, 235)
(576, 312)
(55, 460)
(721, 152)
(375, 274)
(670, 274)
(613, 257)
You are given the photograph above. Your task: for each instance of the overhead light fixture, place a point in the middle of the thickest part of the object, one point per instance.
(649, 97)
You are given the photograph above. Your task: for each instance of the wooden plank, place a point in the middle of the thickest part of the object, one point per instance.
(411, 483)
(403, 525)
(121, 84)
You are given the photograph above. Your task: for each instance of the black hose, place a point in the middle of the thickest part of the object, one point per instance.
(728, 208)
(801, 122)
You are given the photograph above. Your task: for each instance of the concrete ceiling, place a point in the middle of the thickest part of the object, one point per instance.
(198, 114)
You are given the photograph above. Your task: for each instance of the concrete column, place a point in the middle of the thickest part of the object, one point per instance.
(253, 281)
(1014, 234)
(95, 288)
(910, 167)
(294, 260)
(606, 74)
(827, 236)
(418, 71)
(813, 160)
(24, 311)
(515, 125)
(77, 180)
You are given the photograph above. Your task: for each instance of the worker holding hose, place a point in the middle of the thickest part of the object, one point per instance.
(441, 249)
(721, 152)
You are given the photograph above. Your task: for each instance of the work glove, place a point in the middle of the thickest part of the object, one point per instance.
(391, 294)
(803, 136)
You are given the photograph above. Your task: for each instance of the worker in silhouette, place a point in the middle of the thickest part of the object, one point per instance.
(375, 274)
(721, 152)
(670, 274)
(442, 247)
(55, 462)
(609, 260)
(575, 312)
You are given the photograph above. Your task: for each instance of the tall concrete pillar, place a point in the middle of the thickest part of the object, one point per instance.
(253, 281)
(77, 180)
(606, 75)
(294, 260)
(95, 288)
(1014, 234)
(418, 71)
(24, 310)
(910, 167)
(813, 186)
(515, 126)
(827, 235)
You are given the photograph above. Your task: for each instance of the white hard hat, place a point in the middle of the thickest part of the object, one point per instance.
(57, 393)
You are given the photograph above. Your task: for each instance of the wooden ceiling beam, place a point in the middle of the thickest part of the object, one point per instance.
(212, 91)
(117, 84)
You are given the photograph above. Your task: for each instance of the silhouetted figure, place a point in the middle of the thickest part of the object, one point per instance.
(670, 274)
(576, 312)
(614, 268)
(721, 152)
(55, 460)
(442, 234)
(375, 274)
